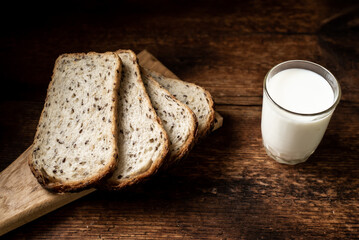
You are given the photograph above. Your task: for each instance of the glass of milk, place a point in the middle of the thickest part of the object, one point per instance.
(299, 98)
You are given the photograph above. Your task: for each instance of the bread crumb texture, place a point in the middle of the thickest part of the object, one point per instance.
(75, 138)
(177, 119)
(195, 97)
(141, 136)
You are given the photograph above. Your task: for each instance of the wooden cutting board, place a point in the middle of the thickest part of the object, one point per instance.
(22, 199)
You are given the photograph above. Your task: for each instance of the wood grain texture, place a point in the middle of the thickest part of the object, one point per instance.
(22, 199)
(227, 188)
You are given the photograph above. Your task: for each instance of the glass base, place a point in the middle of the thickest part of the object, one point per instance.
(283, 160)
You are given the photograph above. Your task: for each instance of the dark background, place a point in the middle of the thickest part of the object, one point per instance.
(227, 188)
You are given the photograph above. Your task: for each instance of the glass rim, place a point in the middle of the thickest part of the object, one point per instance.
(332, 107)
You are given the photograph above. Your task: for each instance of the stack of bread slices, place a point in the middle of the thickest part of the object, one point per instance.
(109, 123)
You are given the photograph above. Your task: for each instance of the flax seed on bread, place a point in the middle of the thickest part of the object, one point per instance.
(147, 60)
(143, 142)
(75, 145)
(177, 118)
(195, 97)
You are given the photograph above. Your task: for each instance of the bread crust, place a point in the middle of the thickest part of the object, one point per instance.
(188, 145)
(56, 185)
(110, 184)
(211, 116)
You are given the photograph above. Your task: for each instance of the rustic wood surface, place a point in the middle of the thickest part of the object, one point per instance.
(22, 199)
(227, 188)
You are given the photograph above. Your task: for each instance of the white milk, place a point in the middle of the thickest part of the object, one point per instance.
(291, 135)
(301, 91)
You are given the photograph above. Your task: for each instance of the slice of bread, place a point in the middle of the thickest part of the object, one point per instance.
(147, 60)
(75, 144)
(195, 97)
(177, 118)
(143, 142)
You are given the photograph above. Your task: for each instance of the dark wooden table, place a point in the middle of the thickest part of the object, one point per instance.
(227, 188)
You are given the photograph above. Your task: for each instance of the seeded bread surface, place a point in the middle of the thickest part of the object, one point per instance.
(143, 142)
(195, 97)
(177, 118)
(75, 144)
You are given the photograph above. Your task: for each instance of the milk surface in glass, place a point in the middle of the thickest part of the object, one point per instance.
(291, 127)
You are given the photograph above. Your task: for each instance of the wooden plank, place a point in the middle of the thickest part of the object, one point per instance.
(147, 60)
(22, 199)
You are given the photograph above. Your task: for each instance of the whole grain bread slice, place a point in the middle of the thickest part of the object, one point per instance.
(177, 118)
(147, 60)
(195, 97)
(143, 142)
(75, 145)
